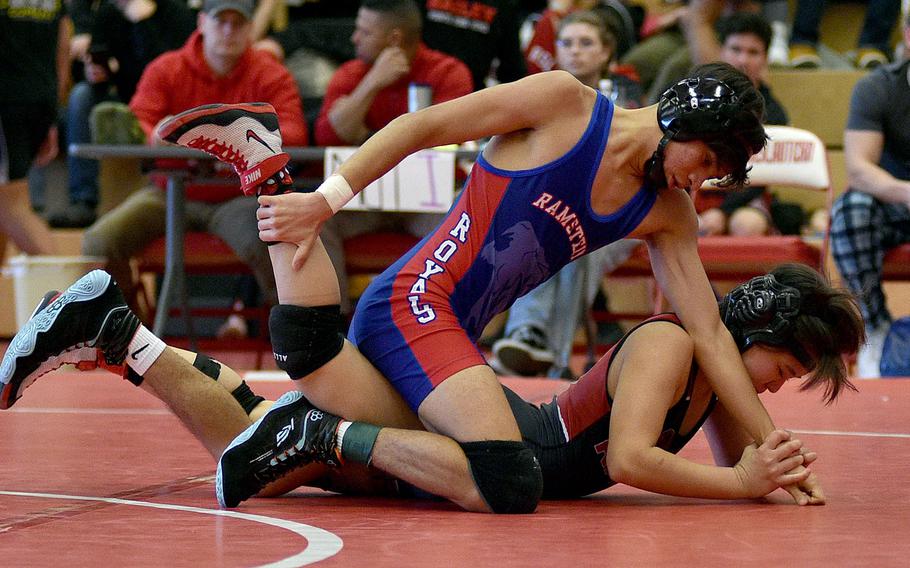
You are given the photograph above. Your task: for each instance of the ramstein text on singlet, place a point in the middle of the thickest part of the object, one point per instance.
(442, 254)
(569, 221)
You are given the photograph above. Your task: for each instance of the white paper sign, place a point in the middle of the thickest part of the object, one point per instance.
(423, 182)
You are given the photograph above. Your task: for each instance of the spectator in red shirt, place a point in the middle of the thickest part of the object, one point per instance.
(215, 65)
(368, 92)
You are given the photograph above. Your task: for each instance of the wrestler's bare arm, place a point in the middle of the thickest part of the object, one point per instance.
(645, 388)
(530, 103)
(728, 440)
(680, 274)
(542, 101)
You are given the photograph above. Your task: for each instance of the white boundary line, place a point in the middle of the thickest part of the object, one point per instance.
(859, 434)
(321, 543)
(266, 376)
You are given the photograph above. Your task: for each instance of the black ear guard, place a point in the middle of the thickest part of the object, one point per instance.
(762, 310)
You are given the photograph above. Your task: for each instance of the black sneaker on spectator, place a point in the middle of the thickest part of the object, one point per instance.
(525, 351)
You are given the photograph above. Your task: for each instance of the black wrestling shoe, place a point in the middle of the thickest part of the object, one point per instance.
(291, 434)
(244, 135)
(89, 325)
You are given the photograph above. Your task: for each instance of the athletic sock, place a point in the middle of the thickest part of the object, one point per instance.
(356, 440)
(144, 350)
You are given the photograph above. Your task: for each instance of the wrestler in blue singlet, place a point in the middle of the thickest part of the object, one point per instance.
(507, 232)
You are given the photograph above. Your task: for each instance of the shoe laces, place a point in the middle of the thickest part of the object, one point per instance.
(222, 151)
(316, 447)
(282, 464)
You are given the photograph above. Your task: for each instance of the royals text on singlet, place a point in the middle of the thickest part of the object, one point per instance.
(507, 232)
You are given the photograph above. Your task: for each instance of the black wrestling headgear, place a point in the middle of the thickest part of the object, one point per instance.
(697, 108)
(762, 310)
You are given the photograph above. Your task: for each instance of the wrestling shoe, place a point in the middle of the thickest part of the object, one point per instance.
(88, 325)
(245, 135)
(291, 434)
(525, 351)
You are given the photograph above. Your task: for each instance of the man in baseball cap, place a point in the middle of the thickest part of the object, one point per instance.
(215, 7)
(216, 65)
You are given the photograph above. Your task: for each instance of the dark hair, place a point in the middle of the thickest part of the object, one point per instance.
(745, 134)
(745, 23)
(405, 14)
(828, 327)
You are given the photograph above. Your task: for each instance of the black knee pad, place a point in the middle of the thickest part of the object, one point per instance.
(305, 338)
(506, 474)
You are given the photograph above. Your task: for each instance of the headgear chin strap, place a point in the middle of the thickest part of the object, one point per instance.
(762, 310)
(697, 108)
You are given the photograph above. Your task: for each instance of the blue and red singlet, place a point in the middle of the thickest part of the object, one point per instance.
(507, 232)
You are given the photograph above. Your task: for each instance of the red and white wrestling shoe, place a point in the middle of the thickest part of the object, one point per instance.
(244, 135)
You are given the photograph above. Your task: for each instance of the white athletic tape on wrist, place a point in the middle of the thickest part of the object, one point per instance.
(337, 192)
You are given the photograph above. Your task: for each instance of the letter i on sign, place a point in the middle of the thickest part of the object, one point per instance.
(431, 179)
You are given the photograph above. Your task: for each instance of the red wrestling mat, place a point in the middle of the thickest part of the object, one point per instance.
(97, 472)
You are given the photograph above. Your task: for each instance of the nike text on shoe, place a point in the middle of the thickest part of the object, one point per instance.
(244, 135)
(88, 325)
(291, 434)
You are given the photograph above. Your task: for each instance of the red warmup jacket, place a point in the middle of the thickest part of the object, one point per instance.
(540, 54)
(181, 79)
(447, 76)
